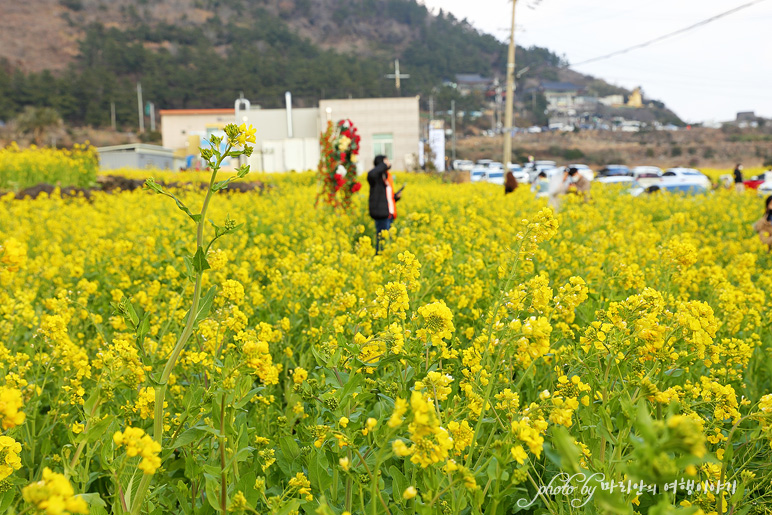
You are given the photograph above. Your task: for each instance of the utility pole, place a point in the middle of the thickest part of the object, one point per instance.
(152, 116)
(431, 107)
(453, 128)
(112, 114)
(510, 92)
(397, 76)
(139, 108)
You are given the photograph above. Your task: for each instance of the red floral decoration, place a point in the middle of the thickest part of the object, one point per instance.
(338, 164)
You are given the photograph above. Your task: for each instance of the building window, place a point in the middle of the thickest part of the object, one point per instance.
(383, 144)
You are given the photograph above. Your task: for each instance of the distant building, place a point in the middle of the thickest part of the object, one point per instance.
(288, 139)
(747, 119)
(466, 83)
(388, 126)
(560, 95)
(612, 100)
(135, 155)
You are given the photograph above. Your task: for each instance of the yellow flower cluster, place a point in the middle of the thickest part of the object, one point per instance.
(9, 456)
(10, 407)
(54, 495)
(137, 443)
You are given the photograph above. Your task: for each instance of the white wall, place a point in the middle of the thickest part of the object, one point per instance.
(398, 116)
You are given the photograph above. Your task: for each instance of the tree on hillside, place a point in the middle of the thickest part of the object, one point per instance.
(38, 121)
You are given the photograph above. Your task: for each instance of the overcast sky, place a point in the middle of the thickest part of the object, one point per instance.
(709, 73)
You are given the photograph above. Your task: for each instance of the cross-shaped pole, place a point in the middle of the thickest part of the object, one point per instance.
(397, 76)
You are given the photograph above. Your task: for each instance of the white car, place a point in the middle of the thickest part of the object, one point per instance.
(686, 175)
(765, 188)
(647, 175)
(520, 174)
(535, 167)
(463, 164)
(494, 176)
(617, 179)
(678, 187)
(477, 174)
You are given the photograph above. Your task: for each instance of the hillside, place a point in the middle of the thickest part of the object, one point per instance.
(203, 53)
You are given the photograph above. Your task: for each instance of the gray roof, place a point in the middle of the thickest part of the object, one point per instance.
(559, 86)
(472, 78)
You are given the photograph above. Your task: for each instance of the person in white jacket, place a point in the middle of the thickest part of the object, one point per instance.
(559, 184)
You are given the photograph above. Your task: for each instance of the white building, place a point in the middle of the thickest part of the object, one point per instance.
(288, 139)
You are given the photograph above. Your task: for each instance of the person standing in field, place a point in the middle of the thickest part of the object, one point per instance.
(739, 186)
(559, 184)
(541, 185)
(383, 199)
(510, 182)
(582, 185)
(764, 225)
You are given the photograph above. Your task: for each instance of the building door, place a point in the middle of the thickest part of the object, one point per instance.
(383, 145)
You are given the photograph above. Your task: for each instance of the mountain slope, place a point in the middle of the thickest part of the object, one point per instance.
(204, 53)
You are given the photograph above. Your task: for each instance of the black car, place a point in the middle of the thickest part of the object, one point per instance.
(614, 171)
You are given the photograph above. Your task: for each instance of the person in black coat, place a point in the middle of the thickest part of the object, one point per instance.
(739, 185)
(383, 199)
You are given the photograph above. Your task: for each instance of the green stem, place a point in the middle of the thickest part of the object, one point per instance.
(160, 391)
(223, 484)
(82, 444)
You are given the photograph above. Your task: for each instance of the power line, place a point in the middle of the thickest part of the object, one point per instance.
(670, 34)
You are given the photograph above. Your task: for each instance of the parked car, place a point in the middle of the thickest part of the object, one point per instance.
(614, 171)
(765, 188)
(478, 173)
(686, 175)
(520, 174)
(533, 168)
(754, 182)
(623, 183)
(494, 176)
(463, 164)
(618, 180)
(647, 175)
(693, 187)
(534, 130)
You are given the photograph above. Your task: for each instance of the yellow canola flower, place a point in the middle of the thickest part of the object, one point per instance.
(9, 456)
(137, 443)
(10, 407)
(54, 495)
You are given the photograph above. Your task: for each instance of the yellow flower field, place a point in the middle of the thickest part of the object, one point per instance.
(494, 359)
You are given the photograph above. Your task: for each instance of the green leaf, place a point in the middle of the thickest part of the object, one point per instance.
(6, 498)
(206, 304)
(150, 184)
(289, 448)
(184, 208)
(93, 500)
(222, 184)
(142, 329)
(318, 471)
(132, 314)
(187, 437)
(398, 482)
(212, 487)
(98, 430)
(199, 261)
